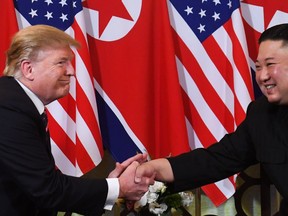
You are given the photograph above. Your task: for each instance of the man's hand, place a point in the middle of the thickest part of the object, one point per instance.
(131, 190)
(140, 158)
(145, 170)
(160, 169)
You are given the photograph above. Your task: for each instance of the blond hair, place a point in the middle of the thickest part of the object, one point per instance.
(29, 41)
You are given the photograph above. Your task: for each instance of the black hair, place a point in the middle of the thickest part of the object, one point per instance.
(275, 33)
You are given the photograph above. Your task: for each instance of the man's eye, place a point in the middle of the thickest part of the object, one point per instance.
(257, 67)
(61, 63)
(269, 64)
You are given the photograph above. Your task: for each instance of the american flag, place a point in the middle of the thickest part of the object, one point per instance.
(73, 120)
(211, 56)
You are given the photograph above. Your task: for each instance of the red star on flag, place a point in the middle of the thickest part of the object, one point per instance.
(107, 9)
(270, 8)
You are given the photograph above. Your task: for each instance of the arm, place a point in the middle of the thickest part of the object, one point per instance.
(232, 154)
(29, 169)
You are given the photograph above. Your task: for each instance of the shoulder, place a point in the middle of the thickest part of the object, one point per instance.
(13, 97)
(263, 112)
(7, 81)
(9, 87)
(260, 101)
(261, 105)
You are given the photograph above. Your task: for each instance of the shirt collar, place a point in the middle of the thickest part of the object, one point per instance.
(37, 102)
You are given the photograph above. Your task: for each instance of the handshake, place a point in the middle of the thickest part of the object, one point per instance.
(136, 174)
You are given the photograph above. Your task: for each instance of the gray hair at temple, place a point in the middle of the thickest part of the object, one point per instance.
(27, 42)
(275, 33)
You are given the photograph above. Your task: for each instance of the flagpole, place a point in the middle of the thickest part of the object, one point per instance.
(198, 202)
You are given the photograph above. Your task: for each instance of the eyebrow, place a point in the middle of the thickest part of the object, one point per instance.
(67, 58)
(266, 59)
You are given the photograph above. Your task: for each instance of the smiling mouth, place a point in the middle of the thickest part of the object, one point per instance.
(268, 87)
(65, 81)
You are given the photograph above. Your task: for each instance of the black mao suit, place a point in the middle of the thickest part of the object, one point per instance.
(29, 183)
(261, 138)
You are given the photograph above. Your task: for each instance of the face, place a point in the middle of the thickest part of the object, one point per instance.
(272, 71)
(49, 75)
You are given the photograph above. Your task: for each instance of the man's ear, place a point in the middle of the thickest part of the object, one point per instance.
(27, 69)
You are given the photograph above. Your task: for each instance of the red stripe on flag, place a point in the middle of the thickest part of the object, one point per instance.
(225, 68)
(83, 103)
(220, 60)
(88, 115)
(84, 160)
(215, 194)
(210, 95)
(68, 104)
(200, 128)
(239, 112)
(62, 140)
(240, 59)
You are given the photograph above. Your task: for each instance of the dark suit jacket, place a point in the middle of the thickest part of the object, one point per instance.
(29, 183)
(261, 138)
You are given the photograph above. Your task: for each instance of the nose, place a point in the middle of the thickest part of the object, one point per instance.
(262, 75)
(70, 69)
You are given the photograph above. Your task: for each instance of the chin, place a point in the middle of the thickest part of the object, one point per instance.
(60, 95)
(65, 92)
(273, 100)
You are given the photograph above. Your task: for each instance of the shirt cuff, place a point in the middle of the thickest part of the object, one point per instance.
(113, 193)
